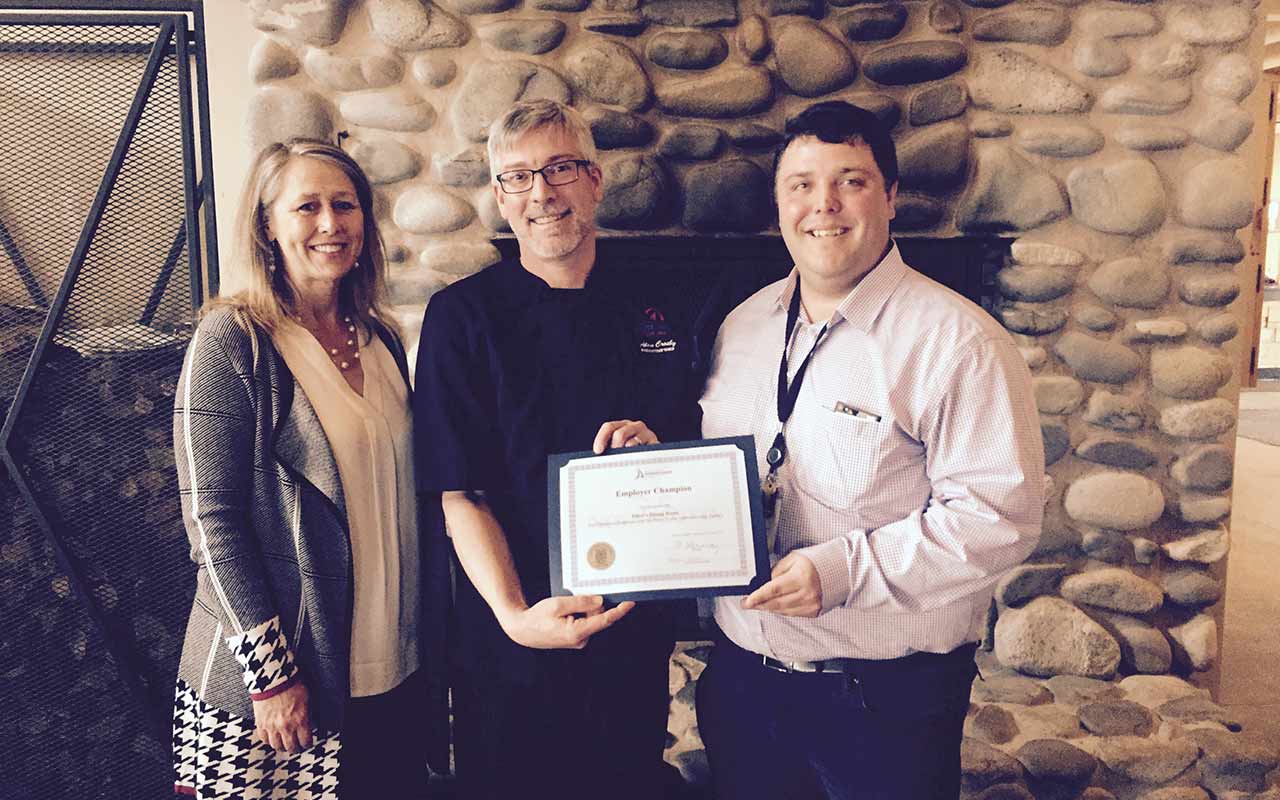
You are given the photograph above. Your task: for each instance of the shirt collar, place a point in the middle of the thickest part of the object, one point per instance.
(863, 304)
(523, 283)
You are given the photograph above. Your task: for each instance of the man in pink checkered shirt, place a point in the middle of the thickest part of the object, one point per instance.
(903, 475)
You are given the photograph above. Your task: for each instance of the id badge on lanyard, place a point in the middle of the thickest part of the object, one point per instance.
(770, 489)
(788, 392)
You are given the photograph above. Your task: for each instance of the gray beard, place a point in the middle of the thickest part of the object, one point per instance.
(560, 246)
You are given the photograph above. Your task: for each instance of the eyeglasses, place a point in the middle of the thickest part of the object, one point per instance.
(519, 181)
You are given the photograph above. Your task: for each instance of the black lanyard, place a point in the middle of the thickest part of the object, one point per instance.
(787, 394)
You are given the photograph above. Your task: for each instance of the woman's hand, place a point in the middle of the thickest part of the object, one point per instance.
(622, 433)
(284, 720)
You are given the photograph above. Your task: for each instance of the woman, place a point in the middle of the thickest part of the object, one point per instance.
(301, 672)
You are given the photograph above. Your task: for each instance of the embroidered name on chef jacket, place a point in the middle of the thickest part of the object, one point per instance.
(656, 335)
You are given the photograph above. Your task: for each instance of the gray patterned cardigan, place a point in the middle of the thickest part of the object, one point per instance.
(264, 512)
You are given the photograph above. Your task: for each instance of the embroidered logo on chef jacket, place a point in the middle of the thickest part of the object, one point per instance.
(656, 335)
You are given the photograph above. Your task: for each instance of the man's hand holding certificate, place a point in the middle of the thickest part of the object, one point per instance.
(665, 521)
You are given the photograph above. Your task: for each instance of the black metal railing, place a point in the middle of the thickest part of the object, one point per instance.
(101, 191)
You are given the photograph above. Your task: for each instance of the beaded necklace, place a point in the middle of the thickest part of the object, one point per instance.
(340, 360)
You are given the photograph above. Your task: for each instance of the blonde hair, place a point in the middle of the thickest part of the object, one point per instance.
(532, 115)
(262, 295)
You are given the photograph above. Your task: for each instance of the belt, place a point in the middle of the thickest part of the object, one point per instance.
(844, 667)
(830, 666)
(859, 666)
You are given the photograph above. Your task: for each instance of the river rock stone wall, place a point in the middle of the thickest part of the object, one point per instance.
(1112, 141)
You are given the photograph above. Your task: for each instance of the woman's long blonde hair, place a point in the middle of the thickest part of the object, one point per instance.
(261, 293)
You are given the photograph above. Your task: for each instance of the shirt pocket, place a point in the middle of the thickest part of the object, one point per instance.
(839, 470)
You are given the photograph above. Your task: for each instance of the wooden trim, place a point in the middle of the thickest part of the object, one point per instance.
(1251, 346)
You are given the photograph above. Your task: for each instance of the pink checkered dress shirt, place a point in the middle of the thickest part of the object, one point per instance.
(910, 518)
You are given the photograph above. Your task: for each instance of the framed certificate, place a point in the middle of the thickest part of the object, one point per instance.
(657, 522)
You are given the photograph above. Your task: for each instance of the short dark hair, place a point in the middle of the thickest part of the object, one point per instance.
(838, 122)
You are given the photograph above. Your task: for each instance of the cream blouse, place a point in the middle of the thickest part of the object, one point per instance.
(372, 441)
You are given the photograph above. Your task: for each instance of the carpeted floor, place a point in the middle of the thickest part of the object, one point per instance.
(1260, 424)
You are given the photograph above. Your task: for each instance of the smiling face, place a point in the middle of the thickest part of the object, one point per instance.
(552, 223)
(834, 211)
(317, 222)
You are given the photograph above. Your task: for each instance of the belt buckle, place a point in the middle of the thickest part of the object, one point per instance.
(791, 667)
(774, 664)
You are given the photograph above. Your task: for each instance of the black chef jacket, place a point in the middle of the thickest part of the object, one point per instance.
(511, 370)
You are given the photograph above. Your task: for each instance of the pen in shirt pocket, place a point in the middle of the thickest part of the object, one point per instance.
(842, 407)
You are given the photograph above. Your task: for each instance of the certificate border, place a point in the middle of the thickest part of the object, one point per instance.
(675, 459)
(759, 553)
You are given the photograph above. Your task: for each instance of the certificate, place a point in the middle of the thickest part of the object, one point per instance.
(656, 522)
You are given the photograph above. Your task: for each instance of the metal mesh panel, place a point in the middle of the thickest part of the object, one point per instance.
(70, 727)
(61, 109)
(89, 647)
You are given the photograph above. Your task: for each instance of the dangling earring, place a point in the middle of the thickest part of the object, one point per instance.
(265, 227)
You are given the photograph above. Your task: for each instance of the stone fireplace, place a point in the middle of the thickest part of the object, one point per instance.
(1101, 154)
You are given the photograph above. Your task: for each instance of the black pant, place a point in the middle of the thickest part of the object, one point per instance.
(585, 725)
(893, 734)
(384, 752)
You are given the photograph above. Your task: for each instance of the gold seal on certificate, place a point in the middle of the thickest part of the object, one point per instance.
(672, 520)
(600, 555)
